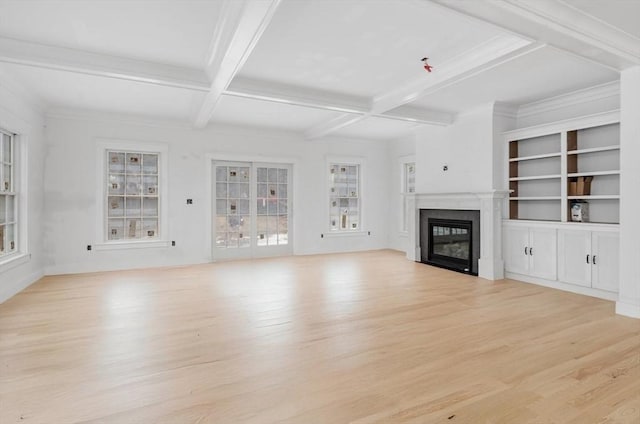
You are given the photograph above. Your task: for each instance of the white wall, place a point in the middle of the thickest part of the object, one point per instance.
(399, 150)
(629, 294)
(465, 147)
(71, 189)
(20, 114)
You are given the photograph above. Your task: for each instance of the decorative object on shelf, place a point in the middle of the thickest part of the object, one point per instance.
(579, 211)
(580, 186)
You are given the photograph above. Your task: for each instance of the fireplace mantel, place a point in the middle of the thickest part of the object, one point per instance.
(490, 204)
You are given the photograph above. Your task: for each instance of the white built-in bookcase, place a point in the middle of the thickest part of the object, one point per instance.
(544, 160)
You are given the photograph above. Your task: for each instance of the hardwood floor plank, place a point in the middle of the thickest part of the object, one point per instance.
(352, 338)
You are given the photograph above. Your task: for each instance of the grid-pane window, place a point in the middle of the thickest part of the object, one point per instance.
(133, 201)
(271, 206)
(408, 186)
(233, 210)
(409, 177)
(8, 199)
(344, 197)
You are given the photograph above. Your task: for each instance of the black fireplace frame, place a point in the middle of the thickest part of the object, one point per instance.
(449, 262)
(472, 215)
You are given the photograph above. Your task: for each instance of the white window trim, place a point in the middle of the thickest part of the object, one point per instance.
(346, 160)
(21, 188)
(102, 146)
(402, 162)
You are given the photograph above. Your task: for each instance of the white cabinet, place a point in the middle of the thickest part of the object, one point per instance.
(605, 272)
(589, 258)
(530, 251)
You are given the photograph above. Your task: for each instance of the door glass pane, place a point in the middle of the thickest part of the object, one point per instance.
(233, 206)
(3, 206)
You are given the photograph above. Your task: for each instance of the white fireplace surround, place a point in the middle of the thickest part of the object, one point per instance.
(490, 204)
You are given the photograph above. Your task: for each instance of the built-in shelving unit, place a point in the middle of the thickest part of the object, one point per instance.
(554, 166)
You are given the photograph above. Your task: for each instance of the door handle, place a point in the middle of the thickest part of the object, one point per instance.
(587, 258)
(593, 259)
(531, 251)
(525, 250)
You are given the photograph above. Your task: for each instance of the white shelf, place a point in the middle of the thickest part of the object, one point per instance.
(537, 177)
(594, 150)
(536, 198)
(593, 174)
(595, 197)
(543, 156)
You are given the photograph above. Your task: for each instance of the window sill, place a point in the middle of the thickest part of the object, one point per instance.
(346, 233)
(123, 245)
(14, 260)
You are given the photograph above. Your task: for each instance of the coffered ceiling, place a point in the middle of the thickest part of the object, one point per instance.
(318, 67)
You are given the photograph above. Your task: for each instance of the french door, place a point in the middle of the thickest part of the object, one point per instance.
(252, 210)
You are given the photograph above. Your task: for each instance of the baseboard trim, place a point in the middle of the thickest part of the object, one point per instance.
(628, 309)
(586, 291)
(10, 290)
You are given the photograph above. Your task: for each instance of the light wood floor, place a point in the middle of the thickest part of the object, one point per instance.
(356, 338)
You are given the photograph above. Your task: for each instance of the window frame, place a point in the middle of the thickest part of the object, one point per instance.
(103, 147)
(14, 192)
(403, 162)
(347, 161)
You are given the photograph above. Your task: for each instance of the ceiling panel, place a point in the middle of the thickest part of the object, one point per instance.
(60, 88)
(166, 31)
(360, 47)
(258, 113)
(544, 73)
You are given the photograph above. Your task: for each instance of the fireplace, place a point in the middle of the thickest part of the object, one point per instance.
(450, 239)
(450, 244)
(486, 236)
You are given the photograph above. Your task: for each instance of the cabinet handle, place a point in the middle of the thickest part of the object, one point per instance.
(531, 251)
(587, 258)
(593, 259)
(525, 250)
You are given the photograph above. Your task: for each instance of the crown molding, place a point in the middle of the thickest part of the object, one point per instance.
(567, 100)
(506, 110)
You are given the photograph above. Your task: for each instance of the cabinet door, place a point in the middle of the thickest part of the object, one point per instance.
(516, 239)
(573, 248)
(606, 260)
(543, 253)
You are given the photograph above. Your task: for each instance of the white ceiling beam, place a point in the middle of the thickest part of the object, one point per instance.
(240, 25)
(77, 61)
(481, 58)
(558, 24)
(332, 125)
(418, 115)
(296, 95)
(329, 101)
